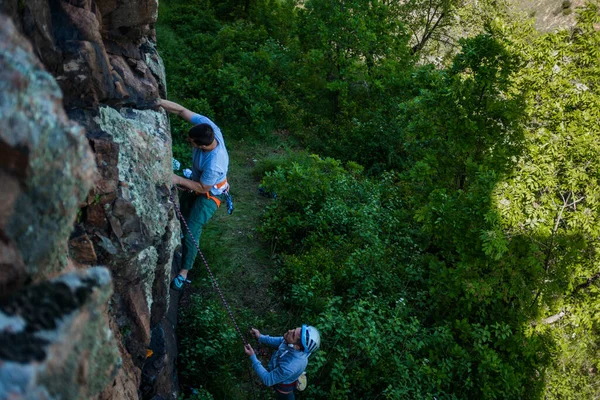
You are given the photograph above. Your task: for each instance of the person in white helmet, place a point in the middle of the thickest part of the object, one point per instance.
(289, 361)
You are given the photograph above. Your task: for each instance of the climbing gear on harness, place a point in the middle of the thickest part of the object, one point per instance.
(311, 340)
(212, 277)
(302, 382)
(229, 201)
(178, 281)
(217, 201)
(224, 186)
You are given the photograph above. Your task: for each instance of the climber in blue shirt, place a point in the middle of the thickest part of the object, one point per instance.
(210, 162)
(289, 360)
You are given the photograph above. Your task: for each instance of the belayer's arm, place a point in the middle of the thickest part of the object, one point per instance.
(270, 341)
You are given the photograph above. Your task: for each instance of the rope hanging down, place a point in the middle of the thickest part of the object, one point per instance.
(212, 277)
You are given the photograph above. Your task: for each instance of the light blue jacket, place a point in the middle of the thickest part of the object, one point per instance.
(286, 364)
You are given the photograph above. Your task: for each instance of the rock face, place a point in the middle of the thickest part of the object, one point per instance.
(97, 50)
(56, 340)
(85, 188)
(550, 15)
(46, 166)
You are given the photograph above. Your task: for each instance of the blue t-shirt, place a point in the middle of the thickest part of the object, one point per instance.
(210, 167)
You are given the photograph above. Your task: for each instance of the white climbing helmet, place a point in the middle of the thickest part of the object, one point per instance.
(311, 340)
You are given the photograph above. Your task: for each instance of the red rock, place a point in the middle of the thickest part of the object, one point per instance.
(81, 249)
(8, 196)
(97, 51)
(135, 299)
(96, 216)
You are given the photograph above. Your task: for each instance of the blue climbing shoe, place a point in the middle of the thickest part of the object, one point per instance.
(178, 282)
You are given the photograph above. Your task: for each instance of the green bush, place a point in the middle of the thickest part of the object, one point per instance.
(209, 348)
(430, 270)
(348, 262)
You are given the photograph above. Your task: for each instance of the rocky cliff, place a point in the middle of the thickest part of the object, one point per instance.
(550, 15)
(87, 232)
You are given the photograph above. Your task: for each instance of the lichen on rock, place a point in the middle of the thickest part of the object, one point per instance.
(45, 154)
(107, 76)
(143, 144)
(60, 330)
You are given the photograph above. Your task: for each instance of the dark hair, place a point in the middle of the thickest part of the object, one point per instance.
(202, 134)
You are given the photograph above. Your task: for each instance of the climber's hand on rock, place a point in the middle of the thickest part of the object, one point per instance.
(155, 105)
(248, 350)
(175, 179)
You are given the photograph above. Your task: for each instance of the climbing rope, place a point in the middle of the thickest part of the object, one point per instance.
(214, 281)
(212, 277)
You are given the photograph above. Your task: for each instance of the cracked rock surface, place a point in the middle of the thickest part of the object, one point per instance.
(85, 165)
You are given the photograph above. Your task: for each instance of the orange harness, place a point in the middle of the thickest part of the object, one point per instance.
(217, 186)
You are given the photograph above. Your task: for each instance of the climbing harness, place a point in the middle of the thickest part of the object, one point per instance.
(228, 200)
(212, 277)
(300, 384)
(224, 187)
(285, 388)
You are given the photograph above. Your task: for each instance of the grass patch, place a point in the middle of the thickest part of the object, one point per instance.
(243, 266)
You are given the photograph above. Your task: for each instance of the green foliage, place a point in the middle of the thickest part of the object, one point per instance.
(303, 188)
(481, 240)
(350, 264)
(551, 204)
(461, 208)
(354, 55)
(228, 71)
(208, 348)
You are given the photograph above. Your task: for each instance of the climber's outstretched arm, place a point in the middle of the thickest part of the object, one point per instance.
(175, 108)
